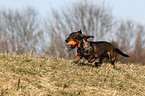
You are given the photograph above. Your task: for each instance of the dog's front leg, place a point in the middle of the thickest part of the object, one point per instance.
(78, 57)
(91, 59)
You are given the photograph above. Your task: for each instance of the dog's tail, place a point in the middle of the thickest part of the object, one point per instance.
(121, 53)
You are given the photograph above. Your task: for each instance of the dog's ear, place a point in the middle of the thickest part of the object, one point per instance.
(86, 36)
(80, 31)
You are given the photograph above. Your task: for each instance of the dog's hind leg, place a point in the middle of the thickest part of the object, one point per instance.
(113, 58)
(112, 65)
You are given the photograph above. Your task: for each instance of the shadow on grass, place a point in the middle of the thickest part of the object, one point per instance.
(94, 66)
(86, 64)
(117, 68)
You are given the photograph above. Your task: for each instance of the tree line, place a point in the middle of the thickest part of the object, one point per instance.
(23, 32)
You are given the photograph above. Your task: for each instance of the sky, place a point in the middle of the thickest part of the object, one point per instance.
(121, 9)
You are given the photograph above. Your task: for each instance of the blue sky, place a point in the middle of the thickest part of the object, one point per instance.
(127, 9)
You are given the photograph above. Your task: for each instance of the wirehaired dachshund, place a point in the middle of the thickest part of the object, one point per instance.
(92, 51)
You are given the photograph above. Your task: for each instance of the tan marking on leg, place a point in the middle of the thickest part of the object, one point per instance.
(77, 58)
(112, 66)
(109, 55)
(92, 60)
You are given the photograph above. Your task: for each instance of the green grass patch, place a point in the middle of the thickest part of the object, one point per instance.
(38, 76)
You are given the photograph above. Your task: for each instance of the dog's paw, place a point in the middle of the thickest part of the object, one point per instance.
(75, 62)
(97, 64)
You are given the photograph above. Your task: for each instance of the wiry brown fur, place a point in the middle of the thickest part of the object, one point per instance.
(92, 51)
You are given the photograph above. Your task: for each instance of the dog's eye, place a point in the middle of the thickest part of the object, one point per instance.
(73, 35)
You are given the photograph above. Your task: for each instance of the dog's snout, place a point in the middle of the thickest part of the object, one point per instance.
(66, 40)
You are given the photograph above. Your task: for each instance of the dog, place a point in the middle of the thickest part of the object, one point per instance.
(93, 51)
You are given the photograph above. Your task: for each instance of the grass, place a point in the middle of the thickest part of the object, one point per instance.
(37, 76)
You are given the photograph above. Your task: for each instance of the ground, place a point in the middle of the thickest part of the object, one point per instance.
(49, 76)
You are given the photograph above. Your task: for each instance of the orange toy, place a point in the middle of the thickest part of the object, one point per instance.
(71, 44)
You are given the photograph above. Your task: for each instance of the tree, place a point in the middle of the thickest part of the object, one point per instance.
(91, 18)
(130, 37)
(127, 34)
(20, 31)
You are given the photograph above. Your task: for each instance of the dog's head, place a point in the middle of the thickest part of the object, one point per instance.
(77, 37)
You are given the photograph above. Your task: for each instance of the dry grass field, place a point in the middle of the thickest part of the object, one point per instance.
(39, 76)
